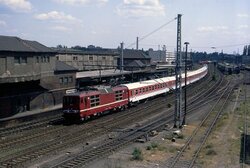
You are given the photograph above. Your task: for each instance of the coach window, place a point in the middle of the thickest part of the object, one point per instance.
(136, 91)
(146, 89)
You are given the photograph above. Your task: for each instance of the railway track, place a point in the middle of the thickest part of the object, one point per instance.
(189, 152)
(69, 139)
(74, 138)
(6, 131)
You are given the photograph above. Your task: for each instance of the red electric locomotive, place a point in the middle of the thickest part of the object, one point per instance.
(83, 105)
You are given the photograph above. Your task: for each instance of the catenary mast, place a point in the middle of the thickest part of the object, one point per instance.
(178, 90)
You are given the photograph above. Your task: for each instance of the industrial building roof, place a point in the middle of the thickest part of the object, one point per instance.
(61, 66)
(134, 54)
(86, 51)
(16, 44)
(136, 63)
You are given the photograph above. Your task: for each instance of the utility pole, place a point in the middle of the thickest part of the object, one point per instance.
(178, 97)
(185, 93)
(121, 58)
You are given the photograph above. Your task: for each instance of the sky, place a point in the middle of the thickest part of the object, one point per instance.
(208, 25)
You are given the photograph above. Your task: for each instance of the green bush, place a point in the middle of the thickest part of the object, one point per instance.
(209, 146)
(149, 148)
(211, 152)
(154, 145)
(137, 154)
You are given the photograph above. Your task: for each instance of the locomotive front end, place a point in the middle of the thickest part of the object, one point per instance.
(71, 107)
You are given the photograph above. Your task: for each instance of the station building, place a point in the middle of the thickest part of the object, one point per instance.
(30, 76)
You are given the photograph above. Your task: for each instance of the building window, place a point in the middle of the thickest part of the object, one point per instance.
(61, 80)
(48, 59)
(75, 58)
(65, 80)
(91, 58)
(37, 59)
(42, 59)
(17, 60)
(24, 60)
(70, 79)
(103, 58)
(57, 58)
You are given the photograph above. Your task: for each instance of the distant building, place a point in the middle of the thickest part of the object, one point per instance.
(157, 56)
(170, 57)
(88, 59)
(30, 76)
(134, 60)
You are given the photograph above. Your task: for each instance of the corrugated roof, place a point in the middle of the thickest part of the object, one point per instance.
(61, 66)
(16, 44)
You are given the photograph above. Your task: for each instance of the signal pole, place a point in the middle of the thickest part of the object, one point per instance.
(178, 91)
(137, 43)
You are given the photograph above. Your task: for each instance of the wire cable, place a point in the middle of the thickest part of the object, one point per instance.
(147, 35)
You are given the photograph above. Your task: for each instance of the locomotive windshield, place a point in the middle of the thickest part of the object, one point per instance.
(70, 100)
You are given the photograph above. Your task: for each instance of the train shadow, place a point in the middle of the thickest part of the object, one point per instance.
(245, 149)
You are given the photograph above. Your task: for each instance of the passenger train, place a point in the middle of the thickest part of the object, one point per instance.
(83, 105)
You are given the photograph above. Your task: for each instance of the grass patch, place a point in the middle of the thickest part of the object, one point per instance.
(172, 149)
(180, 136)
(153, 145)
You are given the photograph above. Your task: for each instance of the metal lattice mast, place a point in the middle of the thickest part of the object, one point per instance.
(178, 96)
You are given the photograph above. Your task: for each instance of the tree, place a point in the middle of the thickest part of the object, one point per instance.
(248, 50)
(245, 50)
(59, 46)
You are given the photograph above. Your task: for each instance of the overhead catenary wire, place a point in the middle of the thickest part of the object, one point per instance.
(157, 29)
